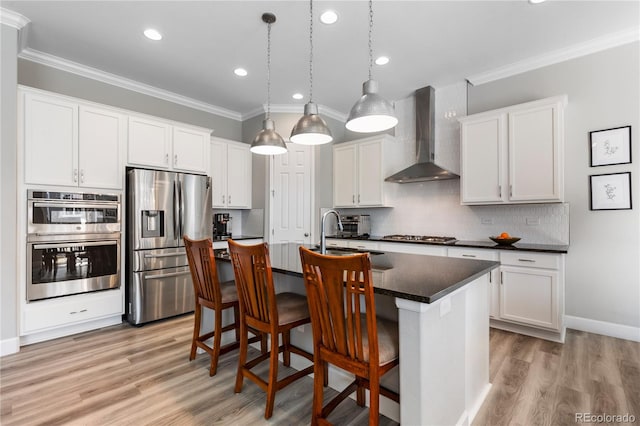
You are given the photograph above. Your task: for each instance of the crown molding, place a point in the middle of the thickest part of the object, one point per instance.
(12, 19)
(295, 109)
(125, 83)
(582, 49)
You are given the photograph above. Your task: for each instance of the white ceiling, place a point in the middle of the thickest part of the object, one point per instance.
(429, 43)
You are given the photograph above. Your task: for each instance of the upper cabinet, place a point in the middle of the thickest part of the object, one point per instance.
(231, 165)
(72, 144)
(514, 155)
(359, 170)
(161, 144)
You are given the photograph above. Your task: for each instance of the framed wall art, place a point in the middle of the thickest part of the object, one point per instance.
(610, 146)
(610, 191)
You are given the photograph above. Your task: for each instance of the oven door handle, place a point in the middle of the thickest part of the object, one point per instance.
(169, 275)
(72, 205)
(153, 256)
(82, 243)
(70, 234)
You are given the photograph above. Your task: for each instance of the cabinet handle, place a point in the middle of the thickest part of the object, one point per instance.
(82, 176)
(75, 175)
(468, 255)
(358, 198)
(353, 199)
(510, 190)
(228, 199)
(527, 260)
(223, 199)
(500, 191)
(166, 158)
(77, 312)
(501, 277)
(175, 160)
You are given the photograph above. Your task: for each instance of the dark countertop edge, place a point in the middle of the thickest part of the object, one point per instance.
(273, 269)
(239, 237)
(441, 294)
(541, 248)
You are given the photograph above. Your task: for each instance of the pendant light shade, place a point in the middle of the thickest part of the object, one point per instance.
(371, 113)
(311, 129)
(268, 141)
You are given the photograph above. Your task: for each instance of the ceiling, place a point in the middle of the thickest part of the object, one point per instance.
(429, 43)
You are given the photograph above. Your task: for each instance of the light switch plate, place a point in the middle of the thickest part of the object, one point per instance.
(533, 221)
(486, 221)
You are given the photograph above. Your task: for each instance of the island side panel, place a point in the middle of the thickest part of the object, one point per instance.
(432, 360)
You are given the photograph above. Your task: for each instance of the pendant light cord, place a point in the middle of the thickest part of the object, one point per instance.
(310, 51)
(370, 35)
(268, 70)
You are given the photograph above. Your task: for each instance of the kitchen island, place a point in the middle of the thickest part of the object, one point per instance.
(443, 317)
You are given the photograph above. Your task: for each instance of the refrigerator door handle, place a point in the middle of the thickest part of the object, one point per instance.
(176, 211)
(181, 208)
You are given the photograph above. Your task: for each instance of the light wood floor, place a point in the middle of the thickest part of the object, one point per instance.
(124, 375)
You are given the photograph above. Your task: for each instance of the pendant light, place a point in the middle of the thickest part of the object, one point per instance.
(268, 141)
(311, 129)
(371, 113)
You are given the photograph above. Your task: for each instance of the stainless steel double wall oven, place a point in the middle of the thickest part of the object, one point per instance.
(73, 243)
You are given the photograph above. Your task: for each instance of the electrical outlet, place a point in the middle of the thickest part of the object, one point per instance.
(486, 221)
(533, 221)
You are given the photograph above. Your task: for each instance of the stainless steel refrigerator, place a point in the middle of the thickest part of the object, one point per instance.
(161, 208)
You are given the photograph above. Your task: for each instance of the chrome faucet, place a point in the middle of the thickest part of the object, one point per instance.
(323, 240)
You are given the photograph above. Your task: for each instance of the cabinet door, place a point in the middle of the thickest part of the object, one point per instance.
(482, 160)
(149, 142)
(238, 176)
(534, 155)
(344, 176)
(219, 174)
(370, 178)
(190, 150)
(51, 140)
(101, 139)
(529, 296)
(494, 277)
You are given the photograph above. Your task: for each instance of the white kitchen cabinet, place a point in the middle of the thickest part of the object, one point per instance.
(70, 143)
(494, 275)
(414, 248)
(231, 165)
(164, 145)
(530, 290)
(359, 170)
(514, 154)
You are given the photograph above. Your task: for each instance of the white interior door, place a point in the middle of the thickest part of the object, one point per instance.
(291, 195)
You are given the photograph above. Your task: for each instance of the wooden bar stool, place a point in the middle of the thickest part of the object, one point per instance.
(264, 310)
(212, 294)
(357, 342)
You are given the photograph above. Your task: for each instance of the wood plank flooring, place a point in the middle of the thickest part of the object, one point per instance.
(125, 375)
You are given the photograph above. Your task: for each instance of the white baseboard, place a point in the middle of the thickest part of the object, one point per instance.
(619, 331)
(9, 346)
(554, 336)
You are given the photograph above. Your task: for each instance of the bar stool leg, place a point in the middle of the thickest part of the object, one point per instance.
(196, 331)
(273, 376)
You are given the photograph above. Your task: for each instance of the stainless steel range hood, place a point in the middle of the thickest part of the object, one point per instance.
(425, 169)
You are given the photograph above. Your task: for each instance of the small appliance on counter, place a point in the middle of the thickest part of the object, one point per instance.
(221, 226)
(355, 226)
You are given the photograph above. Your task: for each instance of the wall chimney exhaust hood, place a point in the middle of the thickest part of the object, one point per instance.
(425, 168)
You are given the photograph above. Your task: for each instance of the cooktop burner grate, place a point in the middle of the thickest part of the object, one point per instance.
(420, 238)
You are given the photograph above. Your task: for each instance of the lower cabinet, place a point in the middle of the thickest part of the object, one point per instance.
(494, 276)
(45, 315)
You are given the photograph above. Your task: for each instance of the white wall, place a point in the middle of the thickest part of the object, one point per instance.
(8, 185)
(603, 263)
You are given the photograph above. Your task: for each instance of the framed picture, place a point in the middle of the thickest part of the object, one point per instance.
(611, 191)
(610, 146)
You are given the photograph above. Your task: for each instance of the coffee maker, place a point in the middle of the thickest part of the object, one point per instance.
(221, 226)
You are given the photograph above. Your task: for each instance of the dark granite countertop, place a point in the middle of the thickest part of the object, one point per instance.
(408, 276)
(543, 248)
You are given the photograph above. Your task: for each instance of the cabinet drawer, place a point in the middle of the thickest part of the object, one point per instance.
(363, 245)
(53, 313)
(430, 250)
(469, 253)
(531, 260)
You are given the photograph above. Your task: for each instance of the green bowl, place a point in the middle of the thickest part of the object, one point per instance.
(504, 241)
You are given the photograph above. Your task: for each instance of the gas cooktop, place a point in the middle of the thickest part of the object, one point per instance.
(420, 239)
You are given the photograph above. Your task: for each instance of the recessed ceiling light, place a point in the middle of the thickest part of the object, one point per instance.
(297, 96)
(382, 60)
(152, 34)
(329, 17)
(536, 1)
(240, 72)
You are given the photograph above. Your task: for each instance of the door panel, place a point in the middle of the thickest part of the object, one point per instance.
(195, 210)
